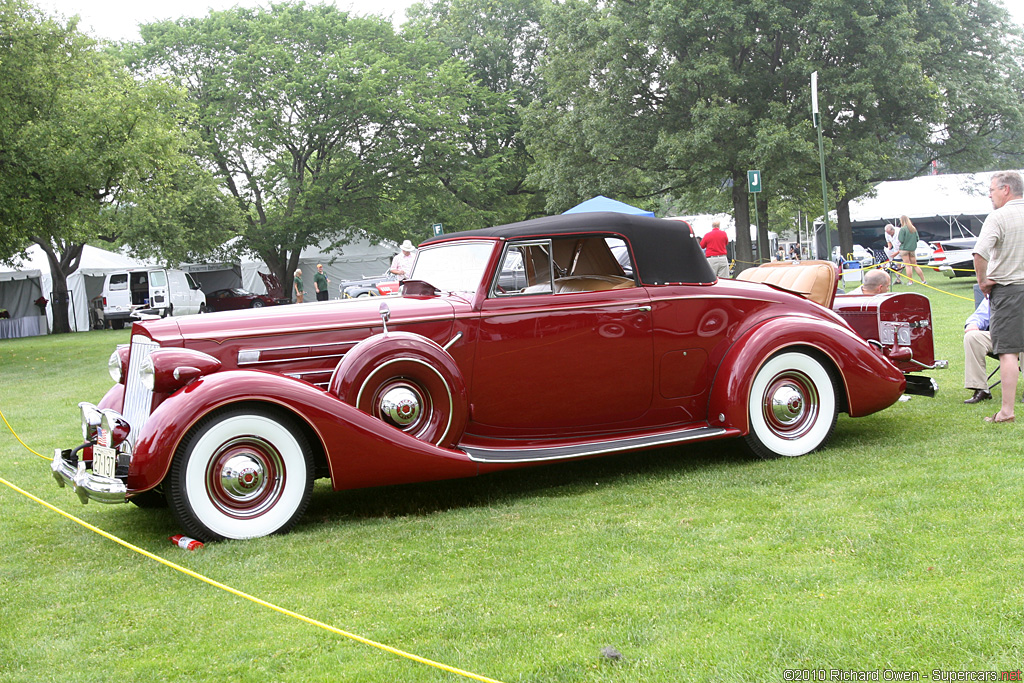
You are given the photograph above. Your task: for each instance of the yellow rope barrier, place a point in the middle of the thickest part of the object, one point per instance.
(235, 591)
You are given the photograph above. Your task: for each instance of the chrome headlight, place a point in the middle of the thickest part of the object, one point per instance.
(114, 367)
(91, 418)
(147, 373)
(117, 365)
(114, 428)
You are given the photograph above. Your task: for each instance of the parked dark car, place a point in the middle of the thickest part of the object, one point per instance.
(230, 418)
(236, 298)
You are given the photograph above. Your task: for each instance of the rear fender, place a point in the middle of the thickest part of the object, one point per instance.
(866, 382)
(360, 450)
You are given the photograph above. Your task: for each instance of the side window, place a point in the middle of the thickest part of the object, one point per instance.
(158, 278)
(592, 264)
(621, 253)
(118, 282)
(525, 269)
(190, 282)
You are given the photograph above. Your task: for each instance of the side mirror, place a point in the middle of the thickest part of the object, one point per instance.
(385, 315)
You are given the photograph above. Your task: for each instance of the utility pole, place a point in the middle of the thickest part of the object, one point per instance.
(816, 117)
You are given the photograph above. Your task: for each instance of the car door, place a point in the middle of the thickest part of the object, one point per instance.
(548, 361)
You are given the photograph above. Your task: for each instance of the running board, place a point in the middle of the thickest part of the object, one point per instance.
(532, 454)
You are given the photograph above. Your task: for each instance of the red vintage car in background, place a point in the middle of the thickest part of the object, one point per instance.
(236, 298)
(230, 418)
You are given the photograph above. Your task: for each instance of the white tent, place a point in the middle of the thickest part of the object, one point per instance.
(701, 223)
(954, 199)
(940, 206)
(84, 284)
(358, 259)
(19, 290)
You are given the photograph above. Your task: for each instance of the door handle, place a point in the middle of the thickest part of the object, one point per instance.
(641, 309)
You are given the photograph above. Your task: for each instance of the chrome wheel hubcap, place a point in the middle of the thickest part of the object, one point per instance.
(245, 477)
(242, 477)
(401, 406)
(790, 405)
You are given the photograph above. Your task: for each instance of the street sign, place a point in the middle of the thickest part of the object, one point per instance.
(438, 229)
(754, 181)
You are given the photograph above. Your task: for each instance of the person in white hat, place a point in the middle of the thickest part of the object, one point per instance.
(401, 265)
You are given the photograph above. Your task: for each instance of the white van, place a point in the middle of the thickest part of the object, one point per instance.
(130, 294)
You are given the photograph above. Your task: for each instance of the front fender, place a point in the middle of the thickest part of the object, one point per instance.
(360, 450)
(868, 381)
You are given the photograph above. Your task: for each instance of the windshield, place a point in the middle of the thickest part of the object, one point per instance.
(453, 267)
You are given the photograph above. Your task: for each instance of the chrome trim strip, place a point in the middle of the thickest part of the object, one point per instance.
(480, 454)
(628, 306)
(454, 339)
(292, 359)
(312, 347)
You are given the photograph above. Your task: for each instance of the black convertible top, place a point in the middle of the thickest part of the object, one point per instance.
(663, 251)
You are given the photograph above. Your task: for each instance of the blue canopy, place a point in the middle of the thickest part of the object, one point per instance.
(602, 203)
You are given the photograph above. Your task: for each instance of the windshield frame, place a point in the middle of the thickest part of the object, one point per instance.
(483, 252)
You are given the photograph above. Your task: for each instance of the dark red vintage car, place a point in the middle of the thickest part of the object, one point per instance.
(236, 298)
(230, 418)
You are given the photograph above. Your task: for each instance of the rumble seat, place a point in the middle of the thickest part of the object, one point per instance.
(815, 280)
(591, 283)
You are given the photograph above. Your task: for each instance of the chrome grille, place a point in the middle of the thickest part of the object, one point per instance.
(137, 398)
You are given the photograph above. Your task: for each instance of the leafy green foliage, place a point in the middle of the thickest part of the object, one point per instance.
(80, 138)
(485, 164)
(659, 97)
(318, 123)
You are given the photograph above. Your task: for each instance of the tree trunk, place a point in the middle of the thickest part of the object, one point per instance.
(844, 227)
(764, 247)
(741, 213)
(61, 267)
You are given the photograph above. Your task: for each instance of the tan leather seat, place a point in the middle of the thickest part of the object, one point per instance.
(816, 280)
(591, 283)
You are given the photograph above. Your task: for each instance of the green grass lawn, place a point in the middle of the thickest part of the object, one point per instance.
(898, 547)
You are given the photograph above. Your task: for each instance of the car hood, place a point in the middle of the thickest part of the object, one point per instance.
(296, 325)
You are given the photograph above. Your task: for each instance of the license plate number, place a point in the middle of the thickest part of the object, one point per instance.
(104, 461)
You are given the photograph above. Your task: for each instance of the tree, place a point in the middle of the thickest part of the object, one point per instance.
(485, 168)
(317, 123)
(78, 136)
(659, 97)
(907, 83)
(653, 97)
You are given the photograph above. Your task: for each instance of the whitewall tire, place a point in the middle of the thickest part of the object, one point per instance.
(792, 406)
(241, 473)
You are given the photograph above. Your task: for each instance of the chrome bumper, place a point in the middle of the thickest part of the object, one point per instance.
(86, 485)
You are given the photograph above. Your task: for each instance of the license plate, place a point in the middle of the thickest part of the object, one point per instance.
(104, 461)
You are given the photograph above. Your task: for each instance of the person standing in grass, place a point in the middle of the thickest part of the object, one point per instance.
(892, 250)
(297, 286)
(320, 283)
(715, 245)
(999, 264)
(908, 238)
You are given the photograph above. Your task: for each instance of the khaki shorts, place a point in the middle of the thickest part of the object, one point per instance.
(1007, 325)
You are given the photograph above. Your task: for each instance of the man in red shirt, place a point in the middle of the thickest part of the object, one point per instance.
(714, 245)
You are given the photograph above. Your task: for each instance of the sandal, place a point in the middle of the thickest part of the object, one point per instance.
(995, 418)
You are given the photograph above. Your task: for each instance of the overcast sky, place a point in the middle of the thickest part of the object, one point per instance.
(119, 19)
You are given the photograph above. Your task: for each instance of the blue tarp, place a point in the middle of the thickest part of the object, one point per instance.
(602, 203)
